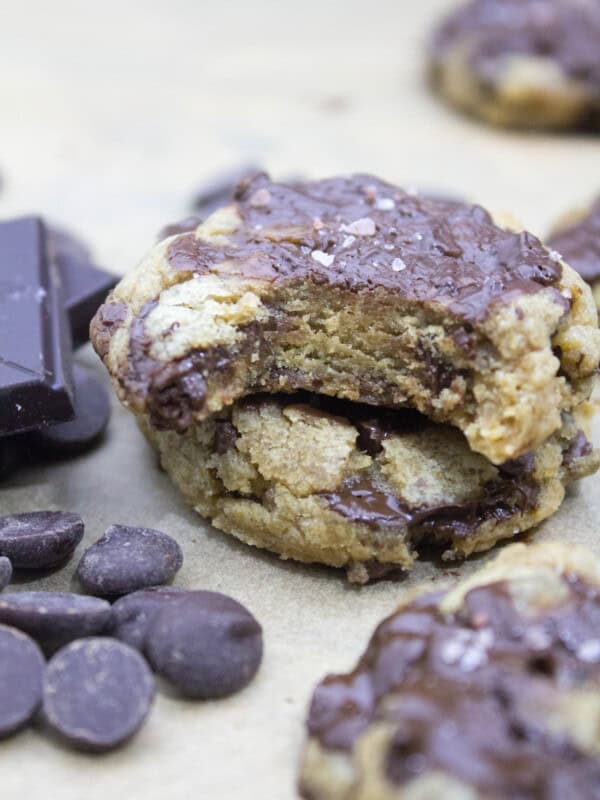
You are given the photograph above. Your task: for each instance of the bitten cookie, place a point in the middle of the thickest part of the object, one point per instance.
(522, 63)
(352, 288)
(335, 482)
(577, 238)
(488, 690)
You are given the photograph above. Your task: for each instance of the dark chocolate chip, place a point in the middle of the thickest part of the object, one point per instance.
(92, 412)
(39, 539)
(126, 559)
(97, 693)
(21, 672)
(5, 572)
(11, 448)
(206, 645)
(54, 619)
(132, 615)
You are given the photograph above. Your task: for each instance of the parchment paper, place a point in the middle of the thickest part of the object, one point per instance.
(111, 115)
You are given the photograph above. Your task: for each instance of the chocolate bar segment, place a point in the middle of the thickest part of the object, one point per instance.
(85, 285)
(35, 345)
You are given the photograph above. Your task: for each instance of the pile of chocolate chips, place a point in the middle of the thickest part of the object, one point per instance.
(97, 687)
(49, 291)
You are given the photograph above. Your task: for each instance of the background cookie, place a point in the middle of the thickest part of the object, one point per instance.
(350, 486)
(354, 288)
(577, 238)
(491, 689)
(524, 63)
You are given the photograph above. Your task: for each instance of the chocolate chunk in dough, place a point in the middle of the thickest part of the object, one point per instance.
(40, 539)
(206, 644)
(97, 693)
(126, 559)
(54, 619)
(21, 671)
(319, 479)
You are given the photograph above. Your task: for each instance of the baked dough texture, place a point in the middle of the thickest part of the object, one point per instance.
(363, 491)
(489, 689)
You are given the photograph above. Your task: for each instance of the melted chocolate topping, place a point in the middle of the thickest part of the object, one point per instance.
(466, 694)
(565, 31)
(579, 244)
(358, 233)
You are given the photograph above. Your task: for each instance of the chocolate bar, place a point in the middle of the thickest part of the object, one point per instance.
(48, 284)
(85, 286)
(35, 342)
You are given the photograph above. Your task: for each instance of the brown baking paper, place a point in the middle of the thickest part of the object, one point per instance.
(112, 116)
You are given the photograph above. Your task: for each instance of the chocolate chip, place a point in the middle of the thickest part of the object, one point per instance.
(132, 615)
(92, 412)
(97, 693)
(39, 539)
(5, 572)
(54, 619)
(21, 671)
(126, 559)
(206, 644)
(11, 448)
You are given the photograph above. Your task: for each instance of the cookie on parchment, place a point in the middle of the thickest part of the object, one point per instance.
(521, 63)
(487, 690)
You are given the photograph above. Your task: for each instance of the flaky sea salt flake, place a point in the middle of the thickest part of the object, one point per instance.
(326, 259)
(398, 265)
(361, 227)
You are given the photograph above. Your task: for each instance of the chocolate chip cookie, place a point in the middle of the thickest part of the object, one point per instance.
(353, 288)
(336, 482)
(489, 689)
(577, 238)
(523, 63)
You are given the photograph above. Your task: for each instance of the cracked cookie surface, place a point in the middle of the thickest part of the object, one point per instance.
(521, 63)
(352, 288)
(334, 482)
(487, 690)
